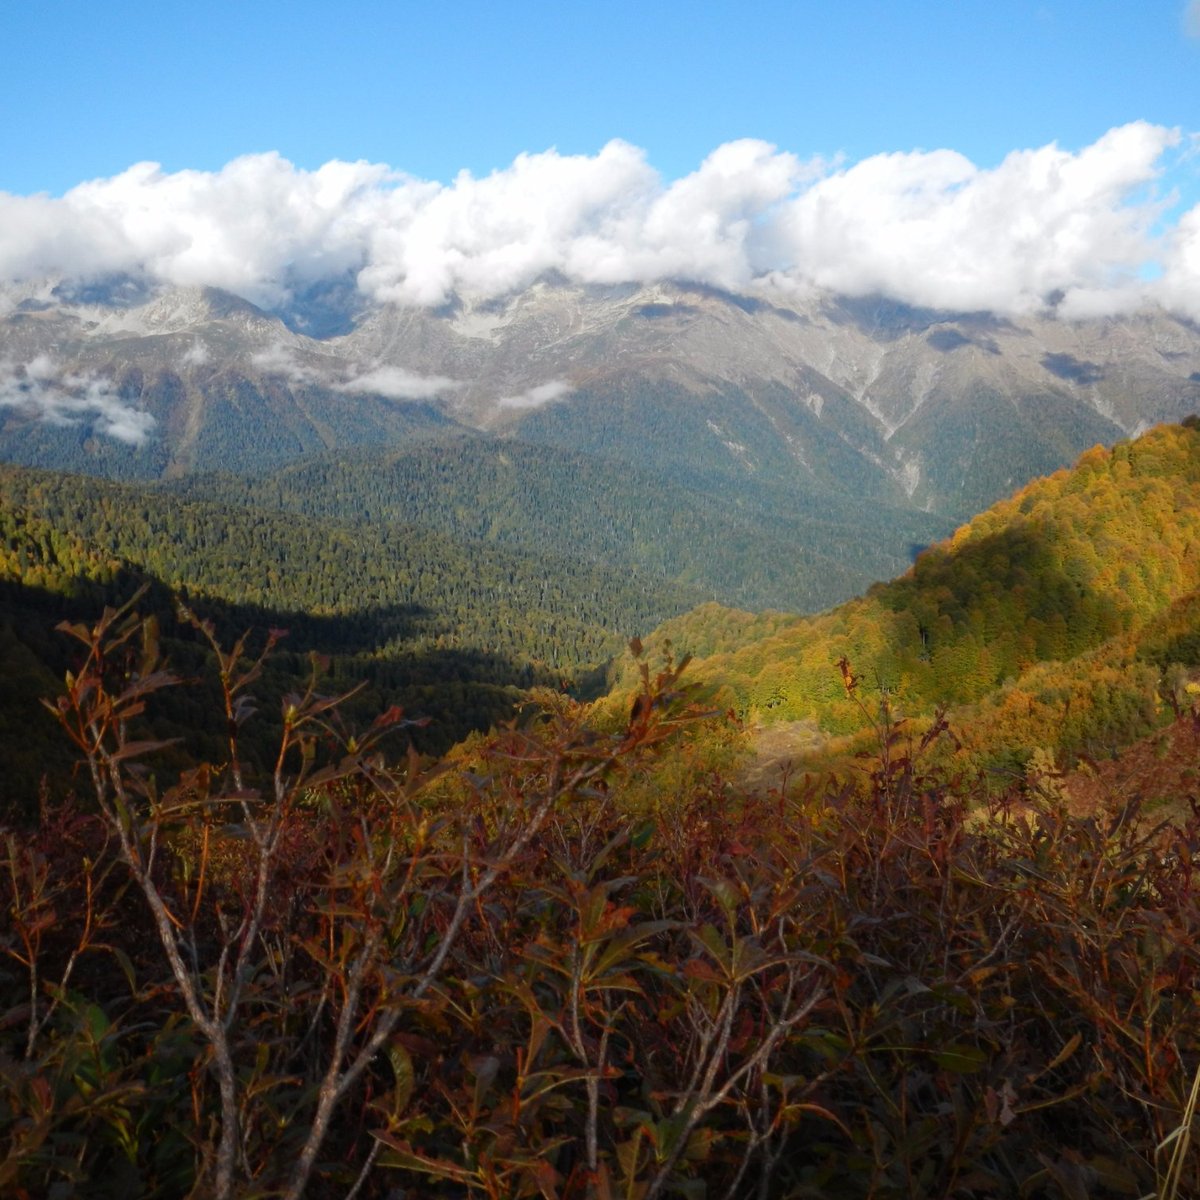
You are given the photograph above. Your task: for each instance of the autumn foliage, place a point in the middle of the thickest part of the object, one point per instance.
(1047, 614)
(510, 974)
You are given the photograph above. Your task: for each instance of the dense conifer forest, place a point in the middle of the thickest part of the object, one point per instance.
(450, 627)
(760, 545)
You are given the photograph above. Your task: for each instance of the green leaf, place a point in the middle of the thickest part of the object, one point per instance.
(126, 966)
(700, 1144)
(402, 1068)
(97, 1021)
(642, 835)
(668, 1132)
(725, 894)
(711, 940)
(1066, 1052)
(961, 1059)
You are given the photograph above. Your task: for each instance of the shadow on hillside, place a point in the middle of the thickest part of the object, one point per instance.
(378, 656)
(888, 320)
(1072, 369)
(1021, 592)
(82, 598)
(1174, 635)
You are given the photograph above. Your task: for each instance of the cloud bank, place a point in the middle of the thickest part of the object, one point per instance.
(39, 390)
(391, 382)
(536, 397)
(1080, 228)
(396, 383)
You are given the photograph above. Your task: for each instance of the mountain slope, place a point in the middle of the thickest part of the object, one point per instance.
(551, 611)
(764, 452)
(1098, 561)
(449, 628)
(851, 400)
(756, 547)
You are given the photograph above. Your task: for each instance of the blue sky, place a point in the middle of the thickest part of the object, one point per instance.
(961, 154)
(88, 89)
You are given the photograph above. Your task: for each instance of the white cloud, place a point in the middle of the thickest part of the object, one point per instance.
(281, 359)
(1179, 286)
(535, 397)
(37, 389)
(933, 229)
(258, 227)
(930, 228)
(398, 384)
(1191, 18)
(196, 355)
(393, 382)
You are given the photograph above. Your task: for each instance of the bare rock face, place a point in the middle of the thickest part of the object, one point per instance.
(837, 397)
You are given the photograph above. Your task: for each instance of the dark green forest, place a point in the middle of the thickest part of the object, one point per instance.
(758, 546)
(452, 629)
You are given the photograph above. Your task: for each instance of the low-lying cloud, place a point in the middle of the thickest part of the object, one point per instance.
(39, 390)
(926, 227)
(196, 355)
(535, 397)
(281, 359)
(391, 382)
(396, 383)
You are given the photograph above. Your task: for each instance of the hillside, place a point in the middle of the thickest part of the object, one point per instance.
(578, 947)
(451, 628)
(591, 895)
(559, 611)
(1046, 620)
(756, 546)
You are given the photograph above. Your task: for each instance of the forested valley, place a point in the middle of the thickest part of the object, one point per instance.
(451, 628)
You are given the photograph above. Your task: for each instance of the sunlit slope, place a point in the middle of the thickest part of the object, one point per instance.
(1101, 551)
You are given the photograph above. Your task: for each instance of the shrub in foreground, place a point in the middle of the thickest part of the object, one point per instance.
(514, 977)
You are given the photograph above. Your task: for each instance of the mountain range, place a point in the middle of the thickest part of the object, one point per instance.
(867, 428)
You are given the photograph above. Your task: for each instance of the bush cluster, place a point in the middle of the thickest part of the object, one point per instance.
(495, 977)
